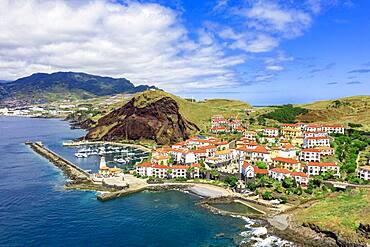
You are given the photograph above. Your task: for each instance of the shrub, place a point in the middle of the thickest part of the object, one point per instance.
(267, 195)
(285, 113)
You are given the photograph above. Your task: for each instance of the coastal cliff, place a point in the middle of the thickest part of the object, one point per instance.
(149, 116)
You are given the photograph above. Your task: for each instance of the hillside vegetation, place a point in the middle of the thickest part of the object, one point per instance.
(354, 109)
(328, 213)
(42, 87)
(199, 112)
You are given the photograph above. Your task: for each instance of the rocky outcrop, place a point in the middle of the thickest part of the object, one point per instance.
(158, 120)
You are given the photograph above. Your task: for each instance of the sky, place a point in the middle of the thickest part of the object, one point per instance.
(259, 51)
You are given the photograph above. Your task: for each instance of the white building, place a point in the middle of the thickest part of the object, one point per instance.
(300, 177)
(311, 142)
(271, 132)
(363, 172)
(310, 155)
(316, 168)
(328, 128)
(279, 173)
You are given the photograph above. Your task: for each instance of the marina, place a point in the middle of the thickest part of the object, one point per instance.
(116, 154)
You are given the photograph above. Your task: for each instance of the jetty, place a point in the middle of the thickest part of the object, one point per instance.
(71, 170)
(82, 143)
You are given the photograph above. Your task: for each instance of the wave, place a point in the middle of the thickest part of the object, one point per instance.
(258, 236)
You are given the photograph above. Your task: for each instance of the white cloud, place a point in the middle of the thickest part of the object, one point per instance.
(145, 43)
(271, 17)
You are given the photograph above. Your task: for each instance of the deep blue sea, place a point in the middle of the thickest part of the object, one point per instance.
(35, 210)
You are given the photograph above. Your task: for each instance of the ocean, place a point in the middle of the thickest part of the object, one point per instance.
(35, 210)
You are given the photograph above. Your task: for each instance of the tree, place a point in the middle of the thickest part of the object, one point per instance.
(261, 165)
(215, 174)
(189, 172)
(231, 181)
(289, 182)
(267, 195)
(261, 120)
(169, 173)
(252, 120)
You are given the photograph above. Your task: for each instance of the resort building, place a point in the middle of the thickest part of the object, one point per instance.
(219, 129)
(300, 177)
(253, 153)
(310, 155)
(329, 128)
(250, 135)
(161, 171)
(287, 163)
(160, 159)
(270, 132)
(311, 142)
(314, 134)
(279, 173)
(326, 151)
(291, 133)
(363, 172)
(316, 168)
(313, 128)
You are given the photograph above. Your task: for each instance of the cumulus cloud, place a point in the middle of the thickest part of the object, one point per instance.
(145, 43)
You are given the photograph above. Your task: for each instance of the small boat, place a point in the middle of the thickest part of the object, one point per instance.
(121, 160)
(81, 155)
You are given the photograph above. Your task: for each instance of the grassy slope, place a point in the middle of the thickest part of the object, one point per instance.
(196, 112)
(354, 109)
(341, 213)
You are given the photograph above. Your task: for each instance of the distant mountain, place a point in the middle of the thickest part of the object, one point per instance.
(65, 85)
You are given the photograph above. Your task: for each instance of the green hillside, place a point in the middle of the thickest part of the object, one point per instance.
(199, 112)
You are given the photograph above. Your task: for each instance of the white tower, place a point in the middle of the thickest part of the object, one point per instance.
(102, 162)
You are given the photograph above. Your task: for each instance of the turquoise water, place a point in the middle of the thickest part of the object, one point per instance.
(35, 210)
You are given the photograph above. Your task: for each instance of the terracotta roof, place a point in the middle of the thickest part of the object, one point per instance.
(321, 164)
(281, 170)
(367, 168)
(312, 150)
(317, 138)
(226, 151)
(285, 160)
(299, 174)
(146, 164)
(257, 149)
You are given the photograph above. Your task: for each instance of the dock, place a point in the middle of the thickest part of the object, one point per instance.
(81, 143)
(71, 170)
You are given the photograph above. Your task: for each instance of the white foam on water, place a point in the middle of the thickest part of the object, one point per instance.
(258, 235)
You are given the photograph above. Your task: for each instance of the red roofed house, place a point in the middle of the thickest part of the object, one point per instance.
(161, 171)
(255, 153)
(333, 128)
(310, 155)
(363, 172)
(279, 173)
(287, 163)
(271, 132)
(250, 135)
(300, 177)
(316, 168)
(320, 141)
(249, 171)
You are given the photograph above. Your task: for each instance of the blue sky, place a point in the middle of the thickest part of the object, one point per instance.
(261, 51)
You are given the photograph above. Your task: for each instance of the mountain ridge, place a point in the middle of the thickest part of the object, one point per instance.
(47, 87)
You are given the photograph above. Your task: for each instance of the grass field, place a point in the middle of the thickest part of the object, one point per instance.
(340, 212)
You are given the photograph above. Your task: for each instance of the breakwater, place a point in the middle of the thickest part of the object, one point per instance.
(71, 170)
